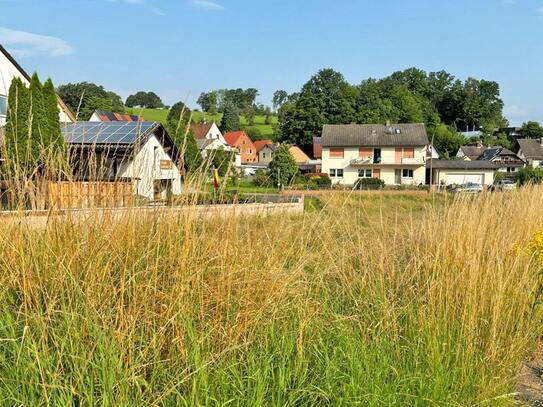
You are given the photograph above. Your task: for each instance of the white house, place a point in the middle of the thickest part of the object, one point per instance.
(10, 69)
(394, 153)
(209, 137)
(140, 152)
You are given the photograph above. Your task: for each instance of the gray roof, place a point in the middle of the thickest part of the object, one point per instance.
(203, 143)
(108, 133)
(531, 148)
(462, 165)
(374, 135)
(473, 152)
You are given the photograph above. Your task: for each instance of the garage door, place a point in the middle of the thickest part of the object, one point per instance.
(462, 178)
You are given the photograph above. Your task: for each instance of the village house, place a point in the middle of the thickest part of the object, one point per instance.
(394, 153)
(240, 141)
(531, 151)
(104, 116)
(10, 69)
(459, 172)
(139, 152)
(209, 138)
(265, 150)
(506, 160)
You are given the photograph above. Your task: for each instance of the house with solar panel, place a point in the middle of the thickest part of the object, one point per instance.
(9, 70)
(104, 116)
(142, 153)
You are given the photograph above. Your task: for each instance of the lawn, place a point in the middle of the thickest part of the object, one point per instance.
(372, 300)
(159, 115)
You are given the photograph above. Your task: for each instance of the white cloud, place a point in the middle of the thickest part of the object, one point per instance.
(23, 43)
(208, 5)
(159, 12)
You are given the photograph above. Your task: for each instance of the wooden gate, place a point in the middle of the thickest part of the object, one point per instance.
(96, 194)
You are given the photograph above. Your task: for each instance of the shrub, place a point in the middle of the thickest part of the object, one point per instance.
(530, 176)
(262, 179)
(369, 183)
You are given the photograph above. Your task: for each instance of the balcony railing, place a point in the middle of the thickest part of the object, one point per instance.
(382, 161)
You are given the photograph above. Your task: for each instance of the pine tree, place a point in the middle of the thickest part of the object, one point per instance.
(230, 119)
(186, 144)
(16, 131)
(55, 144)
(38, 137)
(283, 167)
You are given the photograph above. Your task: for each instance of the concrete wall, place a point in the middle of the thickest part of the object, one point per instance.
(8, 72)
(41, 219)
(388, 166)
(440, 175)
(145, 168)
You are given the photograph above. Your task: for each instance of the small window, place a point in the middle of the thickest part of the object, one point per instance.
(3, 105)
(336, 153)
(336, 173)
(364, 173)
(407, 173)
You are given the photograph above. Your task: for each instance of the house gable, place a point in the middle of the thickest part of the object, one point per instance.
(10, 69)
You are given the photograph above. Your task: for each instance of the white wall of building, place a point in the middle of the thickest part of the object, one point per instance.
(387, 166)
(458, 177)
(8, 72)
(145, 168)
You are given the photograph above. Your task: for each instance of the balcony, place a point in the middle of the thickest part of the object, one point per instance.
(368, 161)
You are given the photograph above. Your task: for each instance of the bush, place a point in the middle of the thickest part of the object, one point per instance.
(262, 179)
(530, 176)
(369, 183)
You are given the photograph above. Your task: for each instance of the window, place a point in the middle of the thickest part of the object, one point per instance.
(364, 173)
(336, 153)
(3, 105)
(336, 173)
(407, 173)
(263, 155)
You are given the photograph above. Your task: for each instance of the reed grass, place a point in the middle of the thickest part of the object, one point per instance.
(365, 300)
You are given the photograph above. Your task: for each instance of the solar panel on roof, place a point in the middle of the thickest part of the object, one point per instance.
(125, 133)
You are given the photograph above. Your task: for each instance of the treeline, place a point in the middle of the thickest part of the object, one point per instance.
(438, 99)
(242, 100)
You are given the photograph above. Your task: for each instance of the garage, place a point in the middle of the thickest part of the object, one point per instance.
(463, 178)
(457, 172)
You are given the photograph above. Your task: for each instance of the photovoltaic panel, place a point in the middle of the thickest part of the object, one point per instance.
(120, 133)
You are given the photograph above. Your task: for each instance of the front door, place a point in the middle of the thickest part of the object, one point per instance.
(398, 177)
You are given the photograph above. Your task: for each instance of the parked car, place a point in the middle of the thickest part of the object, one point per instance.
(468, 187)
(504, 185)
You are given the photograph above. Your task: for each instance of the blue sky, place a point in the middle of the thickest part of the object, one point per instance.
(179, 48)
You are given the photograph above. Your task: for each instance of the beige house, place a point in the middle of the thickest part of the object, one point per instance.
(531, 152)
(264, 151)
(394, 153)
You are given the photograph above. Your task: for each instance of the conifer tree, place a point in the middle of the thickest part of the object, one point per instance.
(16, 133)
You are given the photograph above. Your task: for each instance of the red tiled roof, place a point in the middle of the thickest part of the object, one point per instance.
(260, 144)
(117, 117)
(200, 130)
(233, 137)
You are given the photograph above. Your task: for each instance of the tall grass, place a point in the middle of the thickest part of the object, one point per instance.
(371, 301)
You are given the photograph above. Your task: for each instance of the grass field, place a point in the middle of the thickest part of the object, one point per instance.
(377, 299)
(159, 115)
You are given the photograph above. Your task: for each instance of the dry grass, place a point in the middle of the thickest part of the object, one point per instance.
(373, 300)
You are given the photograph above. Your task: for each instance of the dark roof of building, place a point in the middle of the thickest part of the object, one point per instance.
(473, 152)
(203, 142)
(65, 108)
(531, 148)
(462, 165)
(374, 135)
(105, 116)
(200, 130)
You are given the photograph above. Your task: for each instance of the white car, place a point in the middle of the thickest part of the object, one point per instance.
(504, 185)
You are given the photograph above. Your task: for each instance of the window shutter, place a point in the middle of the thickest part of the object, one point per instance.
(364, 152)
(336, 153)
(409, 152)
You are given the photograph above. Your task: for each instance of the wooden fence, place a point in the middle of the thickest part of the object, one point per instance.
(82, 195)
